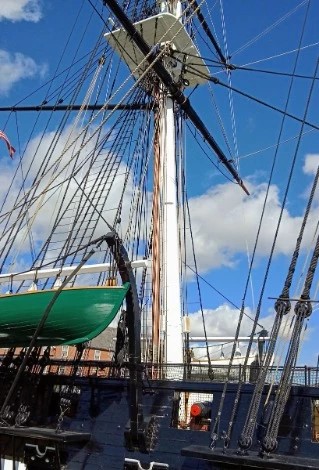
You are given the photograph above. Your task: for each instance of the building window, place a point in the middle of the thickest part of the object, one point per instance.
(65, 351)
(61, 370)
(97, 355)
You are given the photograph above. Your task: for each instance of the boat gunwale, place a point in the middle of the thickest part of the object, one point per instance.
(43, 291)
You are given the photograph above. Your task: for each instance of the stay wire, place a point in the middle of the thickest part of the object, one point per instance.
(230, 92)
(236, 401)
(267, 30)
(216, 165)
(273, 72)
(98, 192)
(216, 64)
(220, 293)
(208, 32)
(214, 435)
(31, 240)
(294, 344)
(274, 108)
(198, 288)
(282, 307)
(40, 170)
(216, 81)
(42, 165)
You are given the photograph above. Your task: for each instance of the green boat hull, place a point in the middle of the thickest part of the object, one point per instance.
(77, 315)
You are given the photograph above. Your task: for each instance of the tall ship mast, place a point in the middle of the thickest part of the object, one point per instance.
(159, 237)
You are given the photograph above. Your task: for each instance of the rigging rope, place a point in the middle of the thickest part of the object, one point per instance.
(214, 434)
(208, 32)
(245, 443)
(210, 372)
(230, 92)
(41, 323)
(216, 165)
(216, 81)
(267, 30)
(282, 54)
(303, 310)
(282, 307)
(24, 208)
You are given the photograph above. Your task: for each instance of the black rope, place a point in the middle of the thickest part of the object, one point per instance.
(198, 288)
(303, 310)
(195, 7)
(282, 307)
(272, 72)
(26, 201)
(216, 81)
(245, 442)
(236, 400)
(216, 165)
(221, 294)
(40, 325)
(30, 236)
(43, 165)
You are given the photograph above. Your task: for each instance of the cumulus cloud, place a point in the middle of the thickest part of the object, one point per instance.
(15, 67)
(18, 10)
(225, 223)
(224, 220)
(55, 186)
(311, 163)
(222, 321)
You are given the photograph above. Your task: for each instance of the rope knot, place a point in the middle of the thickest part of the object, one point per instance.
(282, 306)
(244, 442)
(269, 444)
(303, 309)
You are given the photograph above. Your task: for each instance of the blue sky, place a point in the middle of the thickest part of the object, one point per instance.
(32, 38)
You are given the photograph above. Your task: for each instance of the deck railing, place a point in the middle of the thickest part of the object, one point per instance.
(303, 375)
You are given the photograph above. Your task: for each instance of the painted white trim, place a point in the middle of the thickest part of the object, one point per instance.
(224, 339)
(66, 271)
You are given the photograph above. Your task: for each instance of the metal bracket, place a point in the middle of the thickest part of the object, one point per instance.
(133, 464)
(37, 457)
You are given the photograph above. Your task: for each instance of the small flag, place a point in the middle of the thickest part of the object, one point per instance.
(7, 141)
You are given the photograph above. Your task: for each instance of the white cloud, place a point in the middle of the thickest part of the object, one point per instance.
(311, 163)
(223, 321)
(17, 10)
(225, 223)
(15, 67)
(224, 220)
(58, 189)
(220, 322)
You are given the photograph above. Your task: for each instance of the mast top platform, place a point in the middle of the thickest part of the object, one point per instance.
(161, 29)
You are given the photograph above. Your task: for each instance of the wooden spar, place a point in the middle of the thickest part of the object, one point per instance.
(79, 107)
(173, 88)
(65, 271)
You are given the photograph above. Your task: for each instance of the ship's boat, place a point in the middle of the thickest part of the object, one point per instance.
(77, 315)
(159, 235)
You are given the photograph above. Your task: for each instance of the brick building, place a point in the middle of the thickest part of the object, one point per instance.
(100, 348)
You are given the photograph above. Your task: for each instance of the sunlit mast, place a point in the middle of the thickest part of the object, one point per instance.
(165, 33)
(170, 309)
